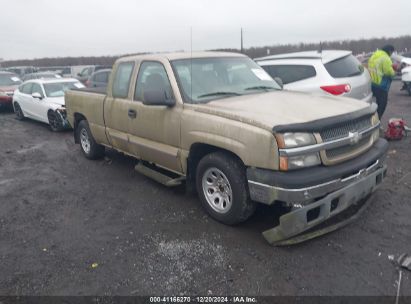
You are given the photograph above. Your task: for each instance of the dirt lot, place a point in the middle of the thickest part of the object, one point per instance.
(60, 213)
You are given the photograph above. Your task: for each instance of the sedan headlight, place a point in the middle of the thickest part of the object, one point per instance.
(2, 93)
(295, 140)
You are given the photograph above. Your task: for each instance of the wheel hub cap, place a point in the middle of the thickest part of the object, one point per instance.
(217, 190)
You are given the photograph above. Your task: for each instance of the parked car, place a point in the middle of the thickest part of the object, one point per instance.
(22, 70)
(8, 83)
(63, 71)
(41, 75)
(327, 72)
(86, 72)
(98, 79)
(406, 78)
(43, 100)
(220, 122)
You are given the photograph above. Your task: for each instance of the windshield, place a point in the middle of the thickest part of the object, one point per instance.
(9, 80)
(57, 89)
(204, 79)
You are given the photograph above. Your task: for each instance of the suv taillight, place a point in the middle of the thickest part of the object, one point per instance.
(337, 89)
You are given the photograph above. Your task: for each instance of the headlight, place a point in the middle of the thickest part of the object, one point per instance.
(299, 162)
(3, 93)
(293, 140)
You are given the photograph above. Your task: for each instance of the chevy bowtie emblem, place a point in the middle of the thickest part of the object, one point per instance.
(354, 137)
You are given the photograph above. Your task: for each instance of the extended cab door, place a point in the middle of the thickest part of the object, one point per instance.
(116, 107)
(155, 131)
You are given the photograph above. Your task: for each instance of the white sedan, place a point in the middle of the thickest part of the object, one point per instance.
(43, 100)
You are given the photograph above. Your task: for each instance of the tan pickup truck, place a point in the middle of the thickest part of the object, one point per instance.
(219, 122)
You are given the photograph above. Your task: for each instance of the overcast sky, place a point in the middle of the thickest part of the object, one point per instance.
(56, 28)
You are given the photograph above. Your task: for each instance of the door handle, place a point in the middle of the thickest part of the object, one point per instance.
(132, 113)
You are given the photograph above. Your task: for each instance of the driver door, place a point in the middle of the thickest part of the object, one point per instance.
(155, 130)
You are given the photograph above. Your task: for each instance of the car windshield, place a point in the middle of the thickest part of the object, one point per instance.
(204, 79)
(9, 80)
(57, 89)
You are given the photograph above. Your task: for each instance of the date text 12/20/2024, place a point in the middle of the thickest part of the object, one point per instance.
(205, 299)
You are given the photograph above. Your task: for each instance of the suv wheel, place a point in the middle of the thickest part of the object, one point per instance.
(88, 145)
(223, 190)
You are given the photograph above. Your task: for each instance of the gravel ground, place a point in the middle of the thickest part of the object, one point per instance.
(61, 214)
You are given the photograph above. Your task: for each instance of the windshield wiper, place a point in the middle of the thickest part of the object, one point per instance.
(218, 94)
(260, 88)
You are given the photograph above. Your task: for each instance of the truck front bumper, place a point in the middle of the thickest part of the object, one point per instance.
(328, 191)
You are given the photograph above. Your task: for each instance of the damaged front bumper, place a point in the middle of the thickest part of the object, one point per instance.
(62, 114)
(321, 199)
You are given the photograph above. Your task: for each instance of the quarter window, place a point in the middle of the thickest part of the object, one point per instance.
(122, 79)
(347, 66)
(290, 73)
(152, 76)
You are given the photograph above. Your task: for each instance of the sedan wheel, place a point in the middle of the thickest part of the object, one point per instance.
(55, 121)
(18, 111)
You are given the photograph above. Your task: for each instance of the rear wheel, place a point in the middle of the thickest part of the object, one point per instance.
(18, 111)
(55, 121)
(88, 145)
(223, 190)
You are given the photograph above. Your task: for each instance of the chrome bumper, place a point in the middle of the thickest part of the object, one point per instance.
(269, 194)
(303, 218)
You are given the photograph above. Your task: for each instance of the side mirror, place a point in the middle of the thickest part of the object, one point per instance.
(157, 98)
(279, 81)
(37, 95)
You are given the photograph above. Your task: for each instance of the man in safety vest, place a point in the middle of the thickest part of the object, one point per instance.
(382, 72)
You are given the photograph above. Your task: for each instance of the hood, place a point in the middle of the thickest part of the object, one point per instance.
(59, 101)
(280, 108)
(8, 88)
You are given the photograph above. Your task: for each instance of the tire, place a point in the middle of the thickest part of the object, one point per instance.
(90, 148)
(55, 121)
(18, 111)
(223, 190)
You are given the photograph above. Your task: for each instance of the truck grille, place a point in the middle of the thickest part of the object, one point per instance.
(343, 130)
(344, 150)
(334, 155)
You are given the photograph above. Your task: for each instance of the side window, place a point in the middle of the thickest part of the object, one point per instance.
(26, 89)
(152, 76)
(37, 89)
(290, 73)
(122, 79)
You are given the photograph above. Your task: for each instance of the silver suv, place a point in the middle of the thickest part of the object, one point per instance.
(327, 72)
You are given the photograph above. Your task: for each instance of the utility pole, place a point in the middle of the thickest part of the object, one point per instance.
(242, 40)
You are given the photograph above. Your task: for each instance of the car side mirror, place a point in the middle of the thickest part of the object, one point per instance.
(279, 81)
(37, 95)
(157, 98)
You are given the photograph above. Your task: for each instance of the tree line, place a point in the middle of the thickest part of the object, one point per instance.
(402, 43)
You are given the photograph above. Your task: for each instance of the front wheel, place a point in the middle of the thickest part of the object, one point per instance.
(90, 148)
(223, 189)
(55, 121)
(18, 111)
